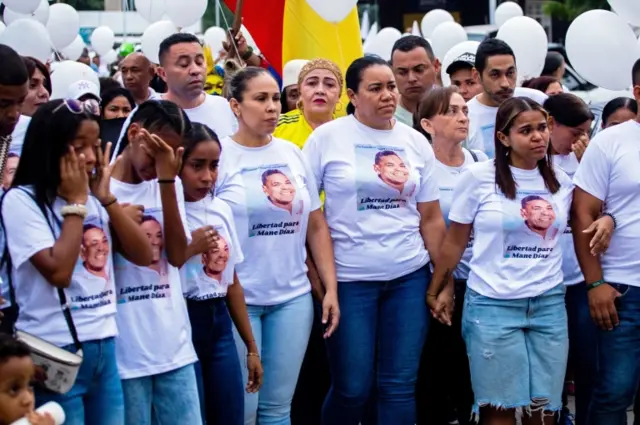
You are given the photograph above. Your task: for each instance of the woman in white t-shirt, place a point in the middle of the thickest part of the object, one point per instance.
(571, 119)
(63, 226)
(386, 224)
(514, 322)
(443, 118)
(210, 285)
(154, 348)
(275, 204)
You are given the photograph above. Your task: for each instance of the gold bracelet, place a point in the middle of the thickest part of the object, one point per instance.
(253, 355)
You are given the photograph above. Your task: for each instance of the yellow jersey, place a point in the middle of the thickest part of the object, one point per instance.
(293, 127)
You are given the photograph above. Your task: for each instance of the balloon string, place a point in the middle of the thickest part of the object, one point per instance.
(231, 36)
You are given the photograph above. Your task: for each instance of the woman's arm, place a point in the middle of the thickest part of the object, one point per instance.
(432, 228)
(56, 264)
(453, 246)
(128, 236)
(175, 239)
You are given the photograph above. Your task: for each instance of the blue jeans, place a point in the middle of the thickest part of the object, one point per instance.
(618, 362)
(96, 397)
(517, 349)
(218, 369)
(382, 331)
(282, 334)
(583, 348)
(165, 399)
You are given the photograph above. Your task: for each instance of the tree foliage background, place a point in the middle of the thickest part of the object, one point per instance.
(568, 10)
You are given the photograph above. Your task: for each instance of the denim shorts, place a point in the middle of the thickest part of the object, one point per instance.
(517, 349)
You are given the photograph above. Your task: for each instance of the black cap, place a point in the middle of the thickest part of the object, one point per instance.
(466, 60)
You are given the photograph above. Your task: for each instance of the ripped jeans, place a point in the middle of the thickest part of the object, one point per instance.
(517, 349)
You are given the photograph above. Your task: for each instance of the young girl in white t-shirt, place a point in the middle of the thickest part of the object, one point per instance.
(514, 322)
(211, 286)
(155, 353)
(63, 226)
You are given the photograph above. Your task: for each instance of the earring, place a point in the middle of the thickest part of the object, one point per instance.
(507, 152)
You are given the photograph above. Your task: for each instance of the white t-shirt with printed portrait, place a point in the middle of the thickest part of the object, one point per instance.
(92, 291)
(482, 120)
(570, 266)
(208, 275)
(373, 181)
(271, 192)
(154, 329)
(516, 251)
(610, 171)
(447, 177)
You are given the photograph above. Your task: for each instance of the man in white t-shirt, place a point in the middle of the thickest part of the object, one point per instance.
(608, 179)
(416, 69)
(497, 72)
(137, 73)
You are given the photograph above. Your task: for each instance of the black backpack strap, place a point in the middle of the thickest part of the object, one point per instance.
(66, 308)
(473, 155)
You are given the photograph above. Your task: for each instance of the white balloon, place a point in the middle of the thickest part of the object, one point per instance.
(102, 40)
(382, 42)
(415, 29)
(506, 11)
(185, 12)
(213, 37)
(153, 36)
(41, 14)
(68, 72)
(108, 58)
(151, 10)
(454, 53)
(74, 50)
(28, 37)
(602, 48)
(22, 6)
(529, 42)
(334, 11)
(63, 25)
(432, 19)
(627, 9)
(445, 36)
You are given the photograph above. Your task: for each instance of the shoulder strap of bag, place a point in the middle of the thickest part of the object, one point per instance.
(473, 155)
(6, 258)
(66, 309)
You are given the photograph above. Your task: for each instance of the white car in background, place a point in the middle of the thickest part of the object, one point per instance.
(571, 80)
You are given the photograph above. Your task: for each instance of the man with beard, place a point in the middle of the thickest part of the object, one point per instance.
(496, 70)
(14, 86)
(416, 70)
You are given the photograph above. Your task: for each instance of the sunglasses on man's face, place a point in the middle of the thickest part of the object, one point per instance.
(89, 107)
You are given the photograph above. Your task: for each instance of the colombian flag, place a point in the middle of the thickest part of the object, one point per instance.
(290, 29)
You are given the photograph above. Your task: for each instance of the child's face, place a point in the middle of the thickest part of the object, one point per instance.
(16, 393)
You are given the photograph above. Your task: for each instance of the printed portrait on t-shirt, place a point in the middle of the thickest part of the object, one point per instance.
(92, 281)
(208, 275)
(151, 282)
(10, 170)
(531, 225)
(274, 202)
(383, 177)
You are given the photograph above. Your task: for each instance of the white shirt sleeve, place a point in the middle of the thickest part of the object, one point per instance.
(594, 172)
(27, 229)
(312, 186)
(229, 187)
(481, 155)
(313, 158)
(429, 188)
(466, 199)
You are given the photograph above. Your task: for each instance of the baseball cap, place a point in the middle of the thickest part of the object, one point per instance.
(291, 72)
(465, 60)
(82, 88)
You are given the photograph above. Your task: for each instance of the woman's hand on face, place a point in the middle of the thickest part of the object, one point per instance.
(74, 180)
(580, 146)
(330, 313)
(204, 239)
(168, 162)
(254, 382)
(101, 178)
(134, 211)
(602, 230)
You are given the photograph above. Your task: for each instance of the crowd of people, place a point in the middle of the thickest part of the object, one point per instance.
(262, 252)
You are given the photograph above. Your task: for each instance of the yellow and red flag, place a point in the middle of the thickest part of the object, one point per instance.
(290, 29)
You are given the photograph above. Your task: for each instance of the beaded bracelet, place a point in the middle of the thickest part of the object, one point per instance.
(615, 223)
